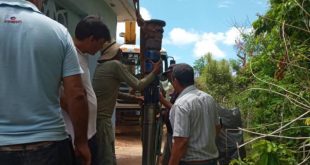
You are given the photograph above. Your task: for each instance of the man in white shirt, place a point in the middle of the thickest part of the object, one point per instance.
(194, 120)
(90, 35)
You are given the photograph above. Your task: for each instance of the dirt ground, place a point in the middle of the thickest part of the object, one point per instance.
(128, 147)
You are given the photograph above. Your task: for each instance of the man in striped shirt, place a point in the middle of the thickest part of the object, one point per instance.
(194, 119)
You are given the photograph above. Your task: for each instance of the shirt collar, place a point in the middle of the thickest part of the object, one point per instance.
(20, 3)
(186, 90)
(81, 53)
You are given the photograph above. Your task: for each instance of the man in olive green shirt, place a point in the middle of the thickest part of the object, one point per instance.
(110, 72)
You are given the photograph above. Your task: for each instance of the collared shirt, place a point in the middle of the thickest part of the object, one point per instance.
(36, 52)
(194, 115)
(106, 82)
(91, 99)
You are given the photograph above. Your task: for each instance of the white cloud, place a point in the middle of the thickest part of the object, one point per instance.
(224, 4)
(145, 13)
(232, 35)
(207, 46)
(179, 36)
(208, 42)
(214, 37)
(260, 2)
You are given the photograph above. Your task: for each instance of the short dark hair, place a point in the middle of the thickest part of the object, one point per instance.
(184, 73)
(92, 26)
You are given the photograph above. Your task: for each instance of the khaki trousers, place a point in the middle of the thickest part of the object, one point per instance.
(106, 142)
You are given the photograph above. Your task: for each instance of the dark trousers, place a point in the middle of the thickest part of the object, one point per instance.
(167, 149)
(92, 143)
(57, 153)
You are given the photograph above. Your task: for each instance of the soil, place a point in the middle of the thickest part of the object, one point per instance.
(128, 146)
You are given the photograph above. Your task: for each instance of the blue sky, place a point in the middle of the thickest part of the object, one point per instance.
(196, 27)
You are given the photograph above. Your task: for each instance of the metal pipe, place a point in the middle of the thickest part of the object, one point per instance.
(151, 38)
(148, 135)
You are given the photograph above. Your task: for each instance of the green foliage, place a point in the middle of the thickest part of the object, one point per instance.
(307, 121)
(272, 87)
(268, 153)
(200, 64)
(286, 12)
(235, 65)
(215, 78)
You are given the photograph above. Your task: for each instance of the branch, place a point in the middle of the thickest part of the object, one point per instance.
(278, 86)
(285, 44)
(275, 130)
(267, 125)
(306, 107)
(303, 9)
(307, 31)
(305, 160)
(267, 135)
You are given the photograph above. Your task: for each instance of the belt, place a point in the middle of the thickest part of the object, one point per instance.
(26, 147)
(199, 161)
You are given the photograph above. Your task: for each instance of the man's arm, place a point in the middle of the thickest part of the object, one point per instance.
(132, 81)
(165, 102)
(63, 103)
(77, 109)
(179, 148)
(130, 97)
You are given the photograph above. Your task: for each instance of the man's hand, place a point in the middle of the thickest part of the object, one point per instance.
(157, 67)
(165, 102)
(82, 151)
(140, 100)
(77, 109)
(161, 97)
(179, 148)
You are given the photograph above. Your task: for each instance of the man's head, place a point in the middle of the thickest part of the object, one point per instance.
(92, 33)
(182, 75)
(168, 72)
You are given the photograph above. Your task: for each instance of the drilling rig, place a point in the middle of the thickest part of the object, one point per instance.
(151, 34)
(150, 51)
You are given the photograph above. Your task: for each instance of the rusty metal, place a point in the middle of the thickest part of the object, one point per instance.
(151, 42)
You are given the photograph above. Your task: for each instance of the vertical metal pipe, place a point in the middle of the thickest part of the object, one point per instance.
(151, 38)
(149, 135)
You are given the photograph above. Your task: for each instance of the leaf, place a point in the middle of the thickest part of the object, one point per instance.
(273, 160)
(263, 160)
(307, 121)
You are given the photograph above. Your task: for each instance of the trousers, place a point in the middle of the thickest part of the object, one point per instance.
(106, 142)
(58, 152)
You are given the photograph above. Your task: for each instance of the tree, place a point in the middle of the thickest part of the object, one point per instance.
(215, 78)
(200, 64)
(274, 85)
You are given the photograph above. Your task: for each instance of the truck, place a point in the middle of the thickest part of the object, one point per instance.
(127, 112)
